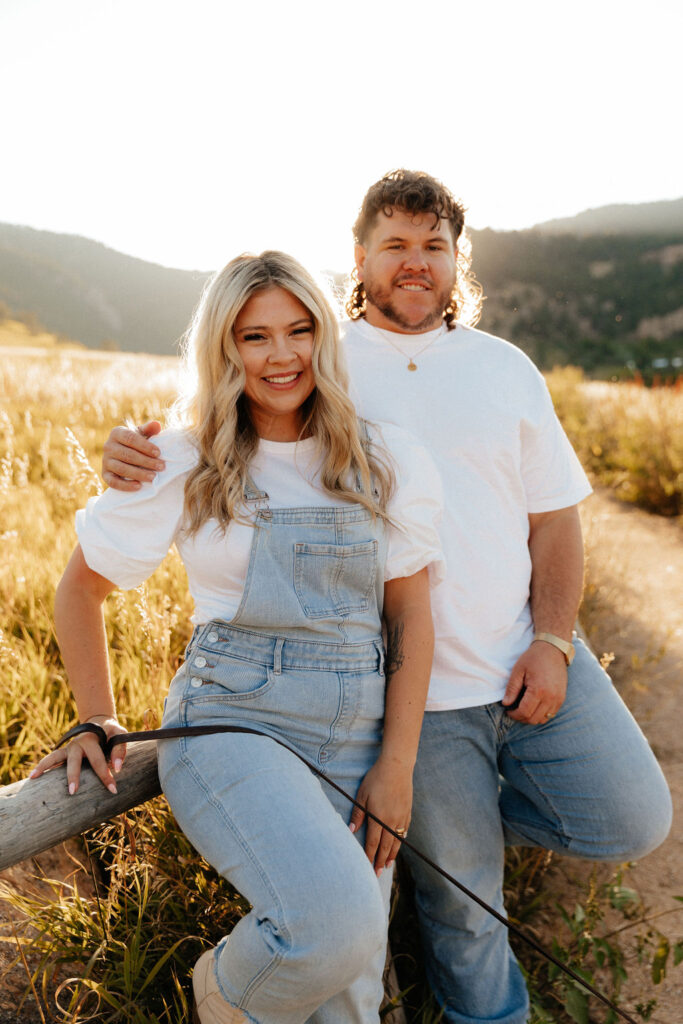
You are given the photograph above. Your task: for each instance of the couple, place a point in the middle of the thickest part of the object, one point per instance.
(524, 740)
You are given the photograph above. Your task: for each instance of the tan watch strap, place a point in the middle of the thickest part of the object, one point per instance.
(557, 641)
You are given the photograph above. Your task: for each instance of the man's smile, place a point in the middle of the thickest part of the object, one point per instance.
(413, 286)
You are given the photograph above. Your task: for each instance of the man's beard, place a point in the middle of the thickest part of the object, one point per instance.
(380, 298)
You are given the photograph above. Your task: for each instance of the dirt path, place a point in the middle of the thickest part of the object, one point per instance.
(633, 609)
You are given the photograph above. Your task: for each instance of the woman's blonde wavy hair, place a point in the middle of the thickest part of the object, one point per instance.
(215, 411)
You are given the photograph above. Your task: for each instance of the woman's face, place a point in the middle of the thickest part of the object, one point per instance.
(274, 337)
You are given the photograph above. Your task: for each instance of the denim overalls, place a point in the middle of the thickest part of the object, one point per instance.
(303, 661)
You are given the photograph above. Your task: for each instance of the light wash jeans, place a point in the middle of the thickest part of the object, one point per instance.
(585, 784)
(317, 929)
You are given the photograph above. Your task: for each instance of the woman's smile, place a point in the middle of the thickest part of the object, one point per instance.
(282, 382)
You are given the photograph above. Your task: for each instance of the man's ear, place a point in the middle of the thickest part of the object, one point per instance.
(359, 256)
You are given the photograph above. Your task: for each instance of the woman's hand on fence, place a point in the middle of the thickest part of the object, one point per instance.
(86, 746)
(387, 792)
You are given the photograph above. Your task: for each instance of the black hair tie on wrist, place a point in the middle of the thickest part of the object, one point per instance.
(84, 727)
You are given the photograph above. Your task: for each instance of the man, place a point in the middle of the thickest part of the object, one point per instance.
(525, 740)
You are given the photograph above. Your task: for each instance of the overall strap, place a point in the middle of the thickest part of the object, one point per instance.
(364, 433)
(251, 491)
(366, 443)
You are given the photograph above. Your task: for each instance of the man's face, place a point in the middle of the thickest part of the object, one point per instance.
(408, 270)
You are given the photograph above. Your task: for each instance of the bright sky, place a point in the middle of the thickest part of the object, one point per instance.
(186, 132)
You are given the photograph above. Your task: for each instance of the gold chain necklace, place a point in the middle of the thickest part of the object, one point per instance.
(412, 365)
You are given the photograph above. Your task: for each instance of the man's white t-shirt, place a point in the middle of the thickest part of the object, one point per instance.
(125, 535)
(483, 411)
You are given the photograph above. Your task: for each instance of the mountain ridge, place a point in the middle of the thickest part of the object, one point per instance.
(662, 216)
(600, 300)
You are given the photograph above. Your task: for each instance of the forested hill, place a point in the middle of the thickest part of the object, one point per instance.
(95, 295)
(602, 301)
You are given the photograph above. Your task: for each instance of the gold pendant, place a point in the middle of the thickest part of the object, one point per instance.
(411, 365)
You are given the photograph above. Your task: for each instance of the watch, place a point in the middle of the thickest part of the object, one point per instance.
(565, 646)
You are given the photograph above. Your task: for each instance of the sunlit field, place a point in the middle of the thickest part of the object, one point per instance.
(162, 904)
(628, 437)
(57, 409)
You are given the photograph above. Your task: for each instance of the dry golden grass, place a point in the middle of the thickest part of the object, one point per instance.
(57, 409)
(629, 438)
(15, 334)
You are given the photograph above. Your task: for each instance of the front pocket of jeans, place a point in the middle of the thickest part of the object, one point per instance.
(334, 579)
(230, 680)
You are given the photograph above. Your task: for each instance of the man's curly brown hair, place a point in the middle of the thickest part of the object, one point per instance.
(416, 192)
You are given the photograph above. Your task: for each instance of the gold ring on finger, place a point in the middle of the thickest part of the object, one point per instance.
(402, 832)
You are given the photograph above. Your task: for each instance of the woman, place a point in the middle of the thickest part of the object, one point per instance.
(296, 538)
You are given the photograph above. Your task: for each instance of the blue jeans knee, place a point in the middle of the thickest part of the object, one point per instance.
(340, 938)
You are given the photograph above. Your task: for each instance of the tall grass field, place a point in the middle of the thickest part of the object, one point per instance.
(158, 905)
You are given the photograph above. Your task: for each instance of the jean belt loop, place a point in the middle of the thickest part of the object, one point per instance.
(195, 633)
(379, 647)
(277, 655)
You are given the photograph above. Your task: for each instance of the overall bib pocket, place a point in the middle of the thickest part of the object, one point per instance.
(334, 579)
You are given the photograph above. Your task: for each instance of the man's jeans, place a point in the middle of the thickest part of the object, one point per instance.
(585, 784)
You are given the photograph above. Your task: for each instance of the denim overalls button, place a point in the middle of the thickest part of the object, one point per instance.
(196, 681)
(212, 638)
(200, 662)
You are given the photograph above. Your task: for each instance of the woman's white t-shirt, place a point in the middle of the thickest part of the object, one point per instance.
(125, 535)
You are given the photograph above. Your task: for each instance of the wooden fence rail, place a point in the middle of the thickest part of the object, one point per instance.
(36, 814)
